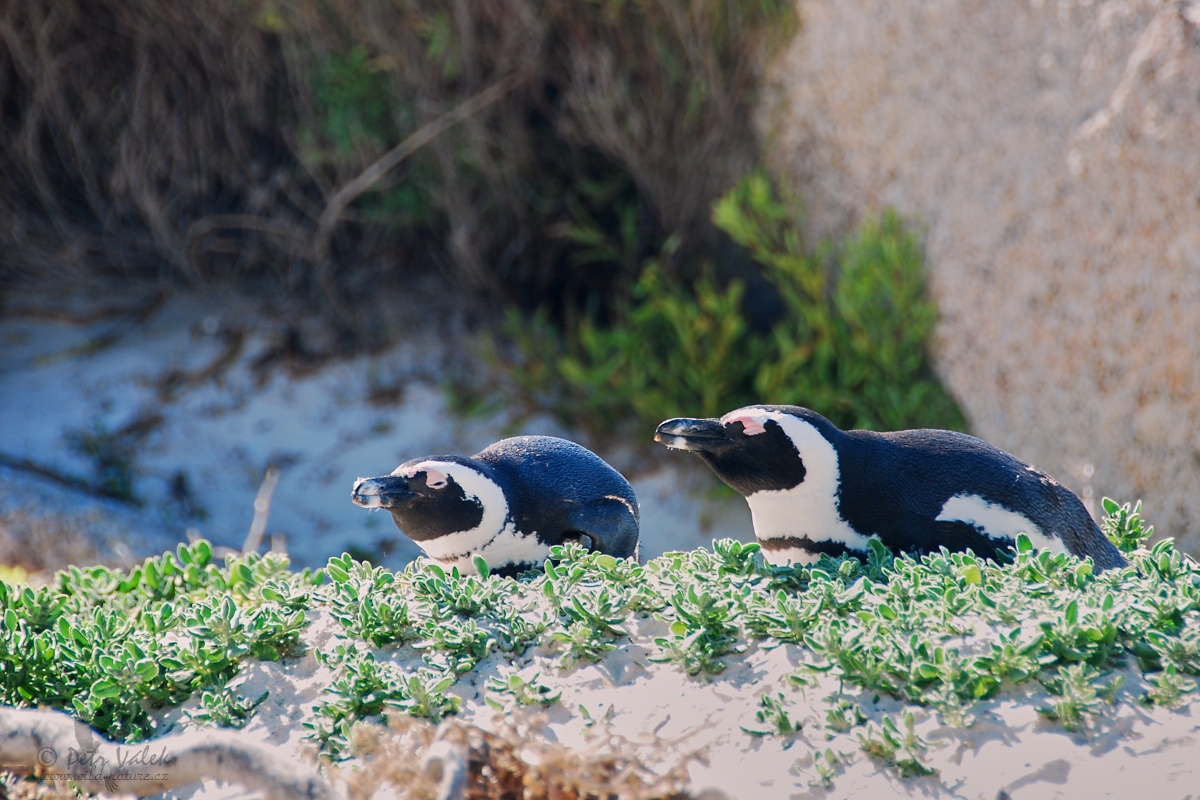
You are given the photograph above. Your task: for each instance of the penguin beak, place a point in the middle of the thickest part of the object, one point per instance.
(692, 434)
(386, 492)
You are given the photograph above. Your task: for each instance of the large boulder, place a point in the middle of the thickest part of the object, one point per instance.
(1052, 152)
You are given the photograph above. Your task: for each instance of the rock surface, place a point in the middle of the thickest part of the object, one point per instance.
(1051, 150)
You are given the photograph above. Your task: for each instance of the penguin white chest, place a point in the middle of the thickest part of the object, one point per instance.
(784, 518)
(495, 538)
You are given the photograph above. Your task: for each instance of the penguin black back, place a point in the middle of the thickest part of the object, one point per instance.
(813, 488)
(509, 503)
(554, 485)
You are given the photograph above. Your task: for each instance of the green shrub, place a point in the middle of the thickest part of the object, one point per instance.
(852, 341)
(113, 646)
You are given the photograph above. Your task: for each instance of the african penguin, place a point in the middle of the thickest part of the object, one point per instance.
(508, 504)
(814, 489)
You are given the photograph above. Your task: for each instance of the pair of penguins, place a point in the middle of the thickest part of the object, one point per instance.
(811, 488)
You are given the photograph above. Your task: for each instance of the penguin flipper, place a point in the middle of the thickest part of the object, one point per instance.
(958, 535)
(609, 525)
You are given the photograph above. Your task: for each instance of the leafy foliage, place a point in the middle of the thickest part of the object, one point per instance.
(226, 708)
(109, 645)
(901, 749)
(1124, 527)
(944, 631)
(523, 692)
(854, 341)
(851, 342)
(774, 713)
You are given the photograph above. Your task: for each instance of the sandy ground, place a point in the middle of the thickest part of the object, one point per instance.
(702, 722)
(214, 424)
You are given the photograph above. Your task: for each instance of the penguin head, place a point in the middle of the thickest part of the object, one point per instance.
(433, 497)
(753, 449)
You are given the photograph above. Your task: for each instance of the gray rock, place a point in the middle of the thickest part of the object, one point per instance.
(1052, 150)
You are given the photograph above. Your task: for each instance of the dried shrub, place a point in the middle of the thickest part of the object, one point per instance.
(209, 141)
(132, 133)
(516, 763)
(667, 89)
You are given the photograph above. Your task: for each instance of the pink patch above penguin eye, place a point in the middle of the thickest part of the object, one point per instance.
(435, 479)
(751, 426)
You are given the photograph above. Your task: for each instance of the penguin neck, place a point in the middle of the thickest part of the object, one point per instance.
(480, 487)
(810, 509)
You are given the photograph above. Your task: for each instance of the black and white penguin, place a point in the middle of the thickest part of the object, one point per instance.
(814, 489)
(508, 504)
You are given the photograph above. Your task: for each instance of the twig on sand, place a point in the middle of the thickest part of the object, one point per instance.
(55, 313)
(262, 511)
(43, 471)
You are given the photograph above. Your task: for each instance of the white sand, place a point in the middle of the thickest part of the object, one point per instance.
(1129, 752)
(320, 429)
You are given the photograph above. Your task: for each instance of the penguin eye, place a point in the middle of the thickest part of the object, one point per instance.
(435, 479)
(749, 426)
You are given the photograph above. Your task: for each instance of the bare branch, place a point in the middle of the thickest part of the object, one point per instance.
(390, 160)
(262, 511)
(54, 743)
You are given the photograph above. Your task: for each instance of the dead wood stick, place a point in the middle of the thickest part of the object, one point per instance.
(56, 744)
(262, 511)
(42, 471)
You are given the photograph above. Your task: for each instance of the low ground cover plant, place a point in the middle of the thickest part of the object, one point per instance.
(944, 631)
(111, 646)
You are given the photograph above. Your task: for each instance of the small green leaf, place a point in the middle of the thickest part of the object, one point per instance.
(336, 573)
(243, 574)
